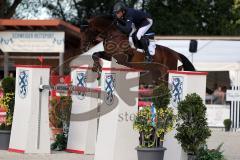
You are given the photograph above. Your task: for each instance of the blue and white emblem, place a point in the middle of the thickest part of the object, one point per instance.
(81, 82)
(109, 87)
(176, 90)
(23, 83)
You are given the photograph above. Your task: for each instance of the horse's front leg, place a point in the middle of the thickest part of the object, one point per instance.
(96, 62)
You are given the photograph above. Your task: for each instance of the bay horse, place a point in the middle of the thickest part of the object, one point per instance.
(116, 44)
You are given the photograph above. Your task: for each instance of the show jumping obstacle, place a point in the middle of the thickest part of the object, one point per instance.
(182, 83)
(95, 126)
(30, 127)
(119, 94)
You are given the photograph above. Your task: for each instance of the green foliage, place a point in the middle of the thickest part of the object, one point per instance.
(186, 17)
(8, 8)
(227, 123)
(80, 11)
(143, 124)
(60, 111)
(8, 85)
(3, 126)
(61, 142)
(171, 17)
(151, 125)
(7, 103)
(161, 96)
(192, 128)
(214, 154)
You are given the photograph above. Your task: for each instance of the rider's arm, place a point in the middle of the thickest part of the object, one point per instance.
(127, 28)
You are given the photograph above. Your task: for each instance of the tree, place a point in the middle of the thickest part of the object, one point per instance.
(77, 11)
(171, 17)
(192, 128)
(191, 17)
(7, 10)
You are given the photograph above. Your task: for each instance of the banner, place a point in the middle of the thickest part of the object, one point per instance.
(38, 42)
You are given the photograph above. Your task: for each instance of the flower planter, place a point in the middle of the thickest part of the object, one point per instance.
(4, 139)
(150, 153)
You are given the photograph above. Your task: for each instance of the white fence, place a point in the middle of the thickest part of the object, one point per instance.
(234, 97)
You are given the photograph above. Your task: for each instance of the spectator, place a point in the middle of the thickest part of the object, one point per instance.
(11, 75)
(218, 96)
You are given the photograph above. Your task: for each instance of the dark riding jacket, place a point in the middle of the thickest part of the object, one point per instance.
(132, 16)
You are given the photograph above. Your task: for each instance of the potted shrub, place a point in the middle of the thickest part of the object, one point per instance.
(60, 118)
(153, 122)
(227, 124)
(7, 104)
(192, 129)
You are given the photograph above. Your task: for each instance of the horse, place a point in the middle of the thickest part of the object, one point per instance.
(116, 45)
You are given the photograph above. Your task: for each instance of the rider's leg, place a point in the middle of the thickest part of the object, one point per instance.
(131, 36)
(144, 42)
(145, 27)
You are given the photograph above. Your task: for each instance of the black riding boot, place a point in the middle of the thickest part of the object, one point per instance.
(144, 42)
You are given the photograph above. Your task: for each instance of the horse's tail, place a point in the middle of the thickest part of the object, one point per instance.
(187, 65)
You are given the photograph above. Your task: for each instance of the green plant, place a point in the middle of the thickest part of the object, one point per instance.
(192, 129)
(153, 122)
(60, 118)
(53, 114)
(8, 100)
(3, 126)
(8, 85)
(161, 96)
(7, 103)
(61, 142)
(227, 123)
(60, 111)
(206, 154)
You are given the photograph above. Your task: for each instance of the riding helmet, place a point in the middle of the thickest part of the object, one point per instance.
(119, 6)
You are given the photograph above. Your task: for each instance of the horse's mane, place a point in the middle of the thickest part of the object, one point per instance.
(102, 20)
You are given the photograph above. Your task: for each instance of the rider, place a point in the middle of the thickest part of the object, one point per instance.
(126, 17)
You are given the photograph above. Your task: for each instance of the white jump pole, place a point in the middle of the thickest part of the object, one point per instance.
(182, 83)
(116, 138)
(83, 129)
(30, 128)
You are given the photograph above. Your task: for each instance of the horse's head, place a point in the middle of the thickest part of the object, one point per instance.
(94, 31)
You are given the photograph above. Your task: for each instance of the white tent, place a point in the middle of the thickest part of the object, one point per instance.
(211, 55)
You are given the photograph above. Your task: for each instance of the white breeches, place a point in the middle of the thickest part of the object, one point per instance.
(144, 29)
